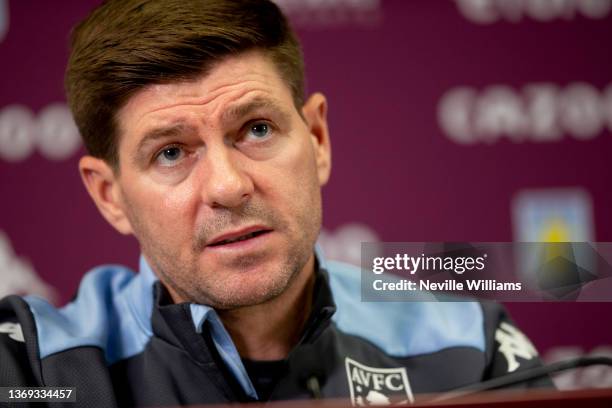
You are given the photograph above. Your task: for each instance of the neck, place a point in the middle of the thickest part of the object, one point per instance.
(269, 331)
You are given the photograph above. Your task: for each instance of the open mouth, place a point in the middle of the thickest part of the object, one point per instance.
(239, 238)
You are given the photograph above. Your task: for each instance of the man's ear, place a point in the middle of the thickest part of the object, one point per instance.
(103, 187)
(315, 114)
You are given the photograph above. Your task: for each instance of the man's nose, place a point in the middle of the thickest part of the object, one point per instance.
(226, 183)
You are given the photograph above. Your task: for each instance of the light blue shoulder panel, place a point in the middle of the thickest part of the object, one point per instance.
(403, 329)
(112, 311)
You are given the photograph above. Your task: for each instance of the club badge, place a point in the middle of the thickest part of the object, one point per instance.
(377, 386)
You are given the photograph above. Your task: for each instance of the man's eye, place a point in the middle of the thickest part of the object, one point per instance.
(170, 155)
(259, 130)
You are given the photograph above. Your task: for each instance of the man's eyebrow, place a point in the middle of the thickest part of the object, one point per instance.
(163, 132)
(244, 109)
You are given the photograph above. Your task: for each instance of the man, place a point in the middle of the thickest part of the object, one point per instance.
(202, 146)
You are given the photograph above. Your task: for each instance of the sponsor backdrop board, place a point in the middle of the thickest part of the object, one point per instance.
(462, 120)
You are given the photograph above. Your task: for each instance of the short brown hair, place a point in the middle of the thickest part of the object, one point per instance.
(125, 45)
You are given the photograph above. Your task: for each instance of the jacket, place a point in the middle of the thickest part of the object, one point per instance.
(122, 342)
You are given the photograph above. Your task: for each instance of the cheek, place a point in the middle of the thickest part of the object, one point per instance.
(179, 201)
(163, 210)
(304, 166)
(293, 174)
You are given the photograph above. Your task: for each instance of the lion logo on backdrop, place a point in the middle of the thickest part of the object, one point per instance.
(344, 243)
(377, 386)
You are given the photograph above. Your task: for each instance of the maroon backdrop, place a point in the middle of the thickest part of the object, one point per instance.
(442, 114)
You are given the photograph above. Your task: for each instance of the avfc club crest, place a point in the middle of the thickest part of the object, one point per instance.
(377, 386)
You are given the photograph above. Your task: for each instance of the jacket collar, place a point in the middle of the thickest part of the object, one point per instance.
(182, 324)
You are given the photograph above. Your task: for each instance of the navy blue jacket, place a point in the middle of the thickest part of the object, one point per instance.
(122, 342)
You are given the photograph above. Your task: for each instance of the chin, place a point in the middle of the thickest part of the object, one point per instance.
(244, 297)
(242, 288)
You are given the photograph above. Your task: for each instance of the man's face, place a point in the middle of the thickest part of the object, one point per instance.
(219, 180)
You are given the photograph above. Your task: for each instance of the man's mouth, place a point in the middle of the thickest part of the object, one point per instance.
(238, 236)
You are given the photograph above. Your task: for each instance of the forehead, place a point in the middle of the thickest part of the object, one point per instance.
(232, 81)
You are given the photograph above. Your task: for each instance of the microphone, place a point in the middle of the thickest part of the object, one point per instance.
(313, 386)
(311, 371)
(525, 375)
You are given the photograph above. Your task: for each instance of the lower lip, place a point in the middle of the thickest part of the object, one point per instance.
(253, 243)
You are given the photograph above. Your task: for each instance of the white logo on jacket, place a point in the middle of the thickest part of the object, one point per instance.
(17, 275)
(512, 344)
(377, 386)
(13, 330)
